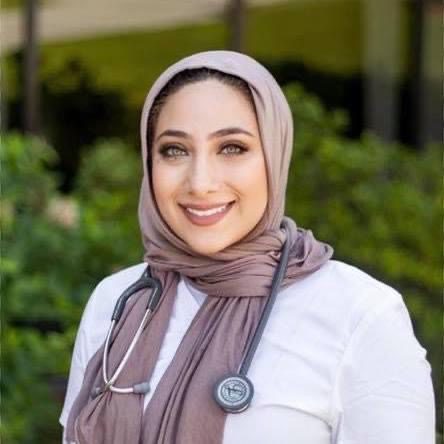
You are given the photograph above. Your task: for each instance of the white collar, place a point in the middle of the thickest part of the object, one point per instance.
(198, 295)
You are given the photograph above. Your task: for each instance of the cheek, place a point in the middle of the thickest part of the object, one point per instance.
(252, 183)
(165, 184)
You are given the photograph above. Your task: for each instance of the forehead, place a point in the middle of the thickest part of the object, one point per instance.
(207, 102)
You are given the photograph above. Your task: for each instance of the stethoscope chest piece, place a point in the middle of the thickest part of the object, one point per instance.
(233, 393)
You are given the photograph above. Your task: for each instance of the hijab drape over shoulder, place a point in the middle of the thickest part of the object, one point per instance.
(236, 280)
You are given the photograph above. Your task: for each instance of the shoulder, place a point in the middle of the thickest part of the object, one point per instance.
(341, 297)
(345, 278)
(351, 321)
(123, 277)
(346, 284)
(98, 310)
(107, 291)
(354, 286)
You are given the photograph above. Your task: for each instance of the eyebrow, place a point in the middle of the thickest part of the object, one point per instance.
(219, 133)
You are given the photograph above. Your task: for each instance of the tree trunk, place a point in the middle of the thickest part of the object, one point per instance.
(30, 67)
(382, 19)
(236, 25)
(416, 64)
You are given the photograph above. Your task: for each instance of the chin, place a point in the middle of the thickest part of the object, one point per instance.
(207, 248)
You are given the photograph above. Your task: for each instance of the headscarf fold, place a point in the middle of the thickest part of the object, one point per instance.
(237, 281)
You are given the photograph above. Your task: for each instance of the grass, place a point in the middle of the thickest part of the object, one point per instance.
(11, 4)
(16, 4)
(131, 62)
(323, 34)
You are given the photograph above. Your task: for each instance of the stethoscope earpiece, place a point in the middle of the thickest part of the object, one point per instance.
(233, 393)
(95, 392)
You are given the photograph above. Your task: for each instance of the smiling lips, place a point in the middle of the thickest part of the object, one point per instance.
(204, 215)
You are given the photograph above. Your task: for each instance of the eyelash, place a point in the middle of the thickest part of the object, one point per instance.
(165, 150)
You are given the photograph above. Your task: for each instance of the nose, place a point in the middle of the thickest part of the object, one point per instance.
(202, 176)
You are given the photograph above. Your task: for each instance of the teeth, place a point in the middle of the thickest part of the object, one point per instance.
(207, 212)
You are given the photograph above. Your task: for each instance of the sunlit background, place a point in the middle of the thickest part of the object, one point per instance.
(364, 81)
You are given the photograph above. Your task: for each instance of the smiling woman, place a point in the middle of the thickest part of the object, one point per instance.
(238, 327)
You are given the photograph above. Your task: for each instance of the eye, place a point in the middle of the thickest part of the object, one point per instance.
(172, 151)
(233, 149)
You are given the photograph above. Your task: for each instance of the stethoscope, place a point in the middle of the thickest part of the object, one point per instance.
(145, 281)
(234, 392)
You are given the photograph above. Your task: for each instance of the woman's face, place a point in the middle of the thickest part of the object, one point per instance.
(208, 166)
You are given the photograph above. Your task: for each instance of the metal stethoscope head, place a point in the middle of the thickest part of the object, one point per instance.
(145, 281)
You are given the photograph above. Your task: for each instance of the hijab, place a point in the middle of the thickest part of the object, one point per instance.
(237, 281)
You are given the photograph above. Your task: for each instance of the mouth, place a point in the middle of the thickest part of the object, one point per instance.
(206, 215)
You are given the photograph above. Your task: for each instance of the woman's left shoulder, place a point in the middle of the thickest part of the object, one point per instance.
(344, 293)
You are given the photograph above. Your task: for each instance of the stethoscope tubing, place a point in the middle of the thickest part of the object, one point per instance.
(275, 285)
(147, 281)
(109, 382)
(234, 392)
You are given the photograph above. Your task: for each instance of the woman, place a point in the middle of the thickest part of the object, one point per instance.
(337, 361)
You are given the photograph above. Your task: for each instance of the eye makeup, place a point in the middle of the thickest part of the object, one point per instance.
(172, 151)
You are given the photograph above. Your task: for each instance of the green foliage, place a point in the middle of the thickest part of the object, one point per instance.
(382, 198)
(377, 204)
(107, 188)
(31, 243)
(55, 249)
(89, 111)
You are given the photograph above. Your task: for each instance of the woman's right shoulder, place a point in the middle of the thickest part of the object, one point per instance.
(123, 277)
(104, 296)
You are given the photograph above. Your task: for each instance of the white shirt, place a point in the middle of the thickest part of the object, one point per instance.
(338, 362)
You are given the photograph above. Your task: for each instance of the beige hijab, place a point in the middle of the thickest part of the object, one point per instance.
(237, 281)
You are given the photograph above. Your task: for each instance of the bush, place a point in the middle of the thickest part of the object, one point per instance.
(55, 249)
(107, 189)
(39, 292)
(74, 111)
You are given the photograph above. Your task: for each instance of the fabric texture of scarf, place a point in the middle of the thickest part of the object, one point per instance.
(237, 281)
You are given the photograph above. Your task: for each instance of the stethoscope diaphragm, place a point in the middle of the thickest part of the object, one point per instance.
(233, 393)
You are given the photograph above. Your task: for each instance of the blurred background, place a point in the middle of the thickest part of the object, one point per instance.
(363, 79)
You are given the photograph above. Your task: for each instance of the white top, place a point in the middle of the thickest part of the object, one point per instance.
(338, 362)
